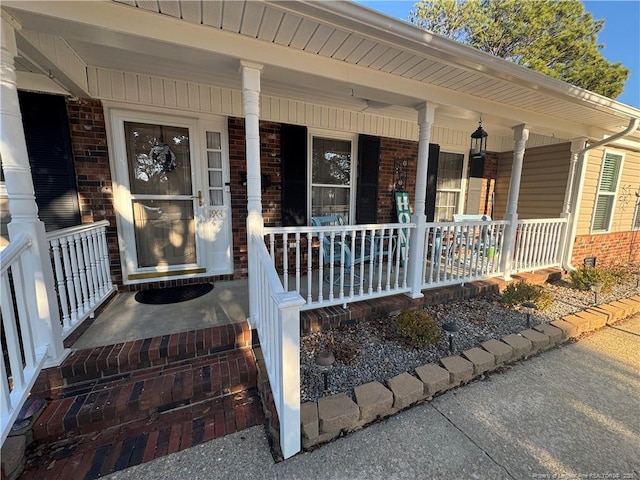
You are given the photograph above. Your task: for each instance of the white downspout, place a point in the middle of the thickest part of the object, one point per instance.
(579, 156)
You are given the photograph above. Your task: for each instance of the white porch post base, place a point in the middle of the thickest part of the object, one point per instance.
(42, 310)
(520, 137)
(255, 223)
(289, 363)
(417, 242)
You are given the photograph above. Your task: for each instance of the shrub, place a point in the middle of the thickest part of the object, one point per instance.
(518, 293)
(418, 327)
(621, 273)
(585, 276)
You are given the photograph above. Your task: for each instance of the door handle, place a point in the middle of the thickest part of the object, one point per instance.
(199, 197)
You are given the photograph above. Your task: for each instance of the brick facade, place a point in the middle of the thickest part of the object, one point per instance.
(393, 153)
(489, 176)
(609, 249)
(271, 194)
(93, 174)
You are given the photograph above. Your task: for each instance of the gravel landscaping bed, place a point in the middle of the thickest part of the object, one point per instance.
(372, 351)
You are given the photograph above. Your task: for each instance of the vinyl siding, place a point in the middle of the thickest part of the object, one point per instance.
(625, 198)
(543, 182)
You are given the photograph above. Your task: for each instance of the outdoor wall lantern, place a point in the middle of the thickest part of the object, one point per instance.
(529, 308)
(452, 330)
(325, 361)
(596, 288)
(478, 151)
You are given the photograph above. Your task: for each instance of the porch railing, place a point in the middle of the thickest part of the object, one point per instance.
(278, 325)
(81, 268)
(538, 244)
(19, 346)
(341, 264)
(459, 252)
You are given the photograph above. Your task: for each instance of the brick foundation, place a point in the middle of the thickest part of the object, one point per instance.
(609, 249)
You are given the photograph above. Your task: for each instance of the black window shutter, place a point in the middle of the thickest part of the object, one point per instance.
(367, 183)
(293, 151)
(46, 130)
(432, 175)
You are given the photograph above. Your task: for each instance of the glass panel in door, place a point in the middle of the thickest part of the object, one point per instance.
(161, 194)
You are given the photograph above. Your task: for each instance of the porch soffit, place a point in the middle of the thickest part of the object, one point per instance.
(384, 71)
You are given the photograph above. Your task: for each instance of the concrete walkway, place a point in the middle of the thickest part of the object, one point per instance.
(572, 412)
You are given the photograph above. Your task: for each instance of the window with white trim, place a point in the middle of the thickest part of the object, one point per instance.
(606, 194)
(448, 186)
(636, 217)
(331, 176)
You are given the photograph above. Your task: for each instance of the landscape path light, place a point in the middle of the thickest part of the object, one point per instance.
(325, 361)
(452, 330)
(529, 308)
(596, 288)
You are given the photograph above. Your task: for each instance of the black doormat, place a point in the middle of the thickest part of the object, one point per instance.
(160, 296)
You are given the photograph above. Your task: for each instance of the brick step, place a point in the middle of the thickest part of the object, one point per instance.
(85, 366)
(540, 277)
(95, 405)
(108, 450)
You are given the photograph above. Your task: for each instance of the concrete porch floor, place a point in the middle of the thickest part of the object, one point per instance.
(123, 319)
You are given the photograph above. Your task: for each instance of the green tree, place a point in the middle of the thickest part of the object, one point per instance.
(555, 37)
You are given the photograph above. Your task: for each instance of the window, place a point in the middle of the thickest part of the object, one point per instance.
(214, 167)
(448, 186)
(331, 170)
(606, 194)
(636, 217)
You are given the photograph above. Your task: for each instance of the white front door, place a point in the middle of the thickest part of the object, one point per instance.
(172, 197)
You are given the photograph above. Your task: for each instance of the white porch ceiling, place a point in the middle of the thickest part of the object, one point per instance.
(332, 52)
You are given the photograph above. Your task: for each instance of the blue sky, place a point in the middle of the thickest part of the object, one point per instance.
(621, 34)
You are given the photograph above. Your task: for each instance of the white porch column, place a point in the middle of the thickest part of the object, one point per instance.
(417, 240)
(255, 223)
(572, 194)
(43, 310)
(520, 137)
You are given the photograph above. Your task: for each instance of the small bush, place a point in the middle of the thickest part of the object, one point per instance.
(518, 293)
(585, 276)
(418, 327)
(621, 273)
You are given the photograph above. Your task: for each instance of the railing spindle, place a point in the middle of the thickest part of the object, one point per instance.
(62, 291)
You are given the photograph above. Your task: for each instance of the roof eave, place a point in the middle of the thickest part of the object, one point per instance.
(352, 16)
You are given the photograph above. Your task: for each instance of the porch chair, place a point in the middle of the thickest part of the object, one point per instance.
(476, 245)
(357, 257)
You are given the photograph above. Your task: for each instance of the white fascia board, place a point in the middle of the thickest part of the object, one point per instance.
(38, 82)
(131, 28)
(627, 144)
(409, 37)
